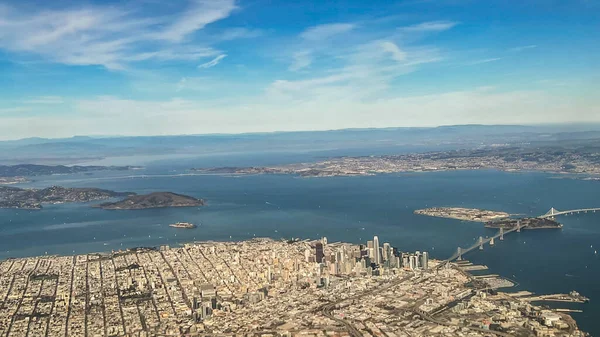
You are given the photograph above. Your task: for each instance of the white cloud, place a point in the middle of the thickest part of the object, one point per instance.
(522, 48)
(240, 33)
(302, 59)
(431, 26)
(109, 36)
(14, 110)
(393, 50)
(45, 100)
(212, 62)
(494, 59)
(276, 113)
(326, 31)
(200, 14)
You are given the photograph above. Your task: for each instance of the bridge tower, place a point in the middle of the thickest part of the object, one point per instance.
(459, 253)
(480, 243)
(518, 226)
(492, 242)
(501, 233)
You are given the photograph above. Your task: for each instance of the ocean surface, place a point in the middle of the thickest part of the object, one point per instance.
(352, 209)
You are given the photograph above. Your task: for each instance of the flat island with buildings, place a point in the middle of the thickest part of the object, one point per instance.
(460, 213)
(261, 287)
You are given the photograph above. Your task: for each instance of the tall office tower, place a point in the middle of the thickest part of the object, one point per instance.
(376, 256)
(405, 260)
(387, 251)
(417, 259)
(319, 255)
(412, 263)
(425, 261)
(324, 240)
(369, 244)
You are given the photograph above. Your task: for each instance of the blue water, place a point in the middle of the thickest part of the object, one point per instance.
(343, 209)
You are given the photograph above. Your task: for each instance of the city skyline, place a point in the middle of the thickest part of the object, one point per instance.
(194, 67)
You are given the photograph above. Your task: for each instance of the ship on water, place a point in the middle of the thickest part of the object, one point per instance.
(183, 225)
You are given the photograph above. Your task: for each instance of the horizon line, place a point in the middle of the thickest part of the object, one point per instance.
(591, 125)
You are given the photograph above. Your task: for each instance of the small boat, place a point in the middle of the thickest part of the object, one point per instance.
(183, 225)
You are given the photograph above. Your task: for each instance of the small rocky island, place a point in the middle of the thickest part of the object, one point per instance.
(467, 214)
(527, 223)
(153, 200)
(12, 197)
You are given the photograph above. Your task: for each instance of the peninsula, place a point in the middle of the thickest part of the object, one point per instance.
(12, 197)
(28, 170)
(260, 287)
(580, 161)
(467, 214)
(153, 200)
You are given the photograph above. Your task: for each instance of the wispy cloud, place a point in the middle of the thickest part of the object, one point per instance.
(212, 62)
(109, 36)
(240, 33)
(522, 48)
(301, 60)
(326, 31)
(45, 100)
(14, 110)
(197, 16)
(365, 71)
(494, 59)
(430, 26)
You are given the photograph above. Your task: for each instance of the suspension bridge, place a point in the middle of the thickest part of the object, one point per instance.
(554, 212)
(551, 214)
(482, 241)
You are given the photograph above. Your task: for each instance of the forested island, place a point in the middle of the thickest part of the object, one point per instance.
(154, 200)
(12, 197)
(527, 223)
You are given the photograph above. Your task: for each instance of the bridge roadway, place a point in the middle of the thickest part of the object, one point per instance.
(553, 212)
(477, 244)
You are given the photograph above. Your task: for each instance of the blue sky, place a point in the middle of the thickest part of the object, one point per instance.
(153, 67)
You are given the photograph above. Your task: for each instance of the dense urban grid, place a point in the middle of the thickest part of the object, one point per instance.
(260, 287)
(501, 158)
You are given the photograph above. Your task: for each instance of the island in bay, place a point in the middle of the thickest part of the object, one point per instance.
(526, 223)
(13, 197)
(153, 200)
(467, 214)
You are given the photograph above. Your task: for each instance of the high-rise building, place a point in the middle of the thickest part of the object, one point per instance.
(412, 262)
(319, 255)
(376, 256)
(387, 252)
(425, 261)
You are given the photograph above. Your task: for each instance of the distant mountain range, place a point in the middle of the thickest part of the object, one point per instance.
(73, 150)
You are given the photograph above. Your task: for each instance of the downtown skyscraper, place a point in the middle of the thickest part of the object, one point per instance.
(376, 253)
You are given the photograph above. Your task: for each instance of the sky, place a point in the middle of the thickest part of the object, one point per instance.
(150, 67)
